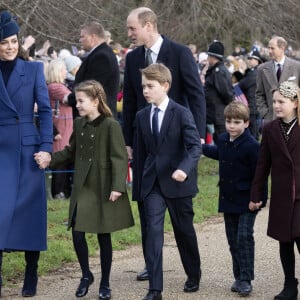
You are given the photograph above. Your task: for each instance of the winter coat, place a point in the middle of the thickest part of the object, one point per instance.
(283, 160)
(23, 203)
(237, 162)
(98, 151)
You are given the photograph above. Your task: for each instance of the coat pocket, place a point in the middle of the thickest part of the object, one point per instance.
(31, 140)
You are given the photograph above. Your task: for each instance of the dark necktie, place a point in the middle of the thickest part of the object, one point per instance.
(148, 58)
(155, 130)
(278, 73)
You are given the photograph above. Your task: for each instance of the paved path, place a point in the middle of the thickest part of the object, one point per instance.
(216, 270)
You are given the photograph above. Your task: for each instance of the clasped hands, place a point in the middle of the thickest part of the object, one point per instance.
(43, 159)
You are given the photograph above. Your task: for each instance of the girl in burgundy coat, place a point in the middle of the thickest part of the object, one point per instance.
(279, 153)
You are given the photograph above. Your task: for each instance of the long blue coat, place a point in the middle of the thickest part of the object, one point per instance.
(23, 208)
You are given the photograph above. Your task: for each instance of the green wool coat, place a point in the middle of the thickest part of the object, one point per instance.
(98, 151)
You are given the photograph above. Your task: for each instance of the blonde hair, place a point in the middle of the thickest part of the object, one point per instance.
(94, 90)
(290, 90)
(237, 110)
(158, 72)
(54, 71)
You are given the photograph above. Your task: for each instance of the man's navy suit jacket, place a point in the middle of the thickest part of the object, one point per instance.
(178, 147)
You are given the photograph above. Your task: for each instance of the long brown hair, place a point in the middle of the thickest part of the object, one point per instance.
(94, 90)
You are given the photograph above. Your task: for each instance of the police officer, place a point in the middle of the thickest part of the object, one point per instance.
(248, 86)
(218, 88)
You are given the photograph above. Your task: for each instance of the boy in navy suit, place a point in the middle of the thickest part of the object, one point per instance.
(168, 152)
(237, 153)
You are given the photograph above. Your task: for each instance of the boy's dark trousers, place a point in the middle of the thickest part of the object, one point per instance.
(239, 233)
(181, 214)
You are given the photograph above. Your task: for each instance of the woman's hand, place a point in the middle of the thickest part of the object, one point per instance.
(43, 159)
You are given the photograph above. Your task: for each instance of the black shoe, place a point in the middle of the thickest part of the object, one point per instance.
(142, 275)
(104, 292)
(29, 286)
(245, 288)
(289, 292)
(235, 286)
(153, 295)
(191, 286)
(84, 284)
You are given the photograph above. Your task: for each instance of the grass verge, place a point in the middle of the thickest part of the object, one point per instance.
(60, 247)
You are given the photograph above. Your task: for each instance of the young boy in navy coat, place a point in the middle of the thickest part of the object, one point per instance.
(168, 152)
(237, 153)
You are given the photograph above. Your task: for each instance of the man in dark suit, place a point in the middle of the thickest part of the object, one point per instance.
(269, 77)
(186, 88)
(100, 64)
(168, 150)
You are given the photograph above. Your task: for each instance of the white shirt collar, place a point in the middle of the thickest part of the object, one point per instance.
(163, 106)
(279, 62)
(156, 47)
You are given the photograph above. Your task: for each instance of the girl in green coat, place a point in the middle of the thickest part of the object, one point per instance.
(99, 202)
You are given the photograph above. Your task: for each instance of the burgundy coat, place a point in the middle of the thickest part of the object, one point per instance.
(283, 160)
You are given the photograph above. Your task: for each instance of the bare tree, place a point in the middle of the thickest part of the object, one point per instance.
(187, 21)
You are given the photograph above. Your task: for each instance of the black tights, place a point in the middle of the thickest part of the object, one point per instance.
(82, 252)
(287, 257)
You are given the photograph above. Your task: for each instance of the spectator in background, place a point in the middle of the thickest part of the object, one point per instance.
(271, 73)
(51, 52)
(100, 64)
(203, 66)
(218, 88)
(63, 121)
(248, 86)
(239, 51)
(193, 49)
(72, 63)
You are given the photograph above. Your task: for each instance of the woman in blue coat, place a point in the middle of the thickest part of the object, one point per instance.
(22, 181)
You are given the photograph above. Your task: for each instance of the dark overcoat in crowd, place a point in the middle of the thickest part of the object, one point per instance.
(23, 203)
(218, 92)
(283, 161)
(98, 151)
(100, 65)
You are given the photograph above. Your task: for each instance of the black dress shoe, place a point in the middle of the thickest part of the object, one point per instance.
(104, 292)
(191, 286)
(153, 295)
(235, 286)
(142, 275)
(29, 286)
(245, 288)
(84, 284)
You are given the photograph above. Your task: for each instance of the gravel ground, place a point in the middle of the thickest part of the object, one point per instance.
(216, 270)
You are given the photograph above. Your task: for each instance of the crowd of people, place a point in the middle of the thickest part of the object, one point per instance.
(59, 109)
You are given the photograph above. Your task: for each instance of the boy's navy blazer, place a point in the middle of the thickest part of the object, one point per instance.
(178, 147)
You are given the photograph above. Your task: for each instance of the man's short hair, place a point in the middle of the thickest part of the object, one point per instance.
(93, 27)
